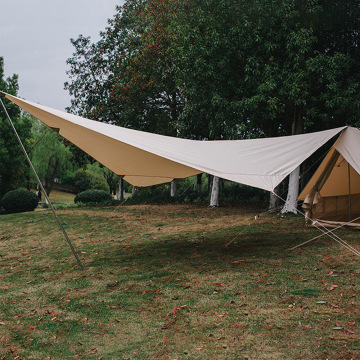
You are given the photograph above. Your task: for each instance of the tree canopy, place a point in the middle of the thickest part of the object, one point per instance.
(13, 165)
(220, 69)
(49, 154)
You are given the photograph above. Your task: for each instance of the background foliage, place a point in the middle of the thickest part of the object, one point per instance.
(222, 69)
(202, 69)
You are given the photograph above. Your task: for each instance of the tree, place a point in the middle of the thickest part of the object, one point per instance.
(110, 177)
(13, 165)
(206, 69)
(126, 78)
(49, 155)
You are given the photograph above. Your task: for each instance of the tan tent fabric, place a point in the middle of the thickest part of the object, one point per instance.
(332, 196)
(146, 159)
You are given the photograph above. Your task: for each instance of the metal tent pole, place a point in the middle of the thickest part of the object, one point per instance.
(42, 187)
(349, 193)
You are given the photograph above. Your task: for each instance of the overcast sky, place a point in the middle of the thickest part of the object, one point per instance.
(35, 42)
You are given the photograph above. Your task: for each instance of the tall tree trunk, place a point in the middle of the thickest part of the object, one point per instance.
(293, 188)
(121, 188)
(274, 200)
(50, 176)
(173, 189)
(215, 191)
(199, 182)
(293, 192)
(210, 181)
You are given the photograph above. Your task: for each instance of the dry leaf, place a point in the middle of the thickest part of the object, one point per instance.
(199, 348)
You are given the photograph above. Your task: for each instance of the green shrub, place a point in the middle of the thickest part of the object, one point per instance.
(67, 178)
(187, 192)
(17, 201)
(87, 180)
(231, 191)
(93, 196)
(160, 194)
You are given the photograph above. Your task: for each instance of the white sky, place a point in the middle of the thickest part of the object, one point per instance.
(35, 42)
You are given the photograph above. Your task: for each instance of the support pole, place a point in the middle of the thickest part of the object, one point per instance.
(349, 193)
(42, 187)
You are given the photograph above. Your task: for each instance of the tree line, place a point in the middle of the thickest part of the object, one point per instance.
(206, 69)
(210, 70)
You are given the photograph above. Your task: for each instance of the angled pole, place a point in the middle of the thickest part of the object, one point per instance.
(349, 174)
(42, 187)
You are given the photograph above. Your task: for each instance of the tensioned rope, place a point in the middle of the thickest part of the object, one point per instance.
(42, 187)
(106, 221)
(326, 231)
(250, 223)
(279, 196)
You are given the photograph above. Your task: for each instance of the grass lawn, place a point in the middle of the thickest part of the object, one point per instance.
(60, 197)
(160, 283)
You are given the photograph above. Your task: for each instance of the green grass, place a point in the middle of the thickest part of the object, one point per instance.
(175, 282)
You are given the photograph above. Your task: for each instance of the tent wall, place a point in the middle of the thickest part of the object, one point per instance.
(336, 208)
(332, 196)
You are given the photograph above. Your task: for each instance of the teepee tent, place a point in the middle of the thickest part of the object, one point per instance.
(145, 159)
(332, 196)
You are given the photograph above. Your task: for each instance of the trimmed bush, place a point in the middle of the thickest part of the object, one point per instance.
(87, 180)
(17, 201)
(93, 196)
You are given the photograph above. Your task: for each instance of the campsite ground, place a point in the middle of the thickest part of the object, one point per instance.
(160, 283)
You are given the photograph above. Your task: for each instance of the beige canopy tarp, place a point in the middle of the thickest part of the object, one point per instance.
(147, 159)
(332, 196)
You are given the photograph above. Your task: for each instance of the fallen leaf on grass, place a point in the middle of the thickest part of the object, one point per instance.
(332, 287)
(304, 326)
(337, 328)
(241, 305)
(349, 331)
(218, 284)
(199, 348)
